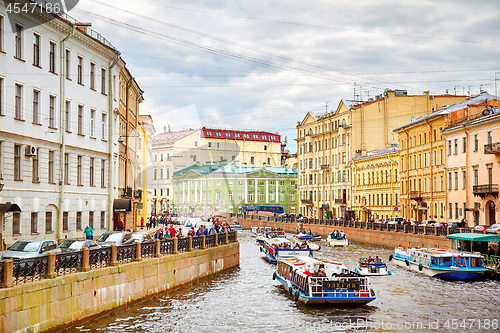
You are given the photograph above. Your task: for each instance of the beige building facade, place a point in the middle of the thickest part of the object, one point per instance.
(145, 131)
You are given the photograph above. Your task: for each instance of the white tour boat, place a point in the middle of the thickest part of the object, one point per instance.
(368, 267)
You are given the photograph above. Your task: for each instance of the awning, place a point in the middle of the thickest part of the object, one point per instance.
(475, 237)
(8, 207)
(121, 205)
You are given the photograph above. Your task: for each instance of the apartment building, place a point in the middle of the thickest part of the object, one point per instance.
(174, 151)
(58, 127)
(145, 131)
(424, 173)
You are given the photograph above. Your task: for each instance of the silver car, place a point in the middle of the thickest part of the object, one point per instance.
(493, 229)
(29, 248)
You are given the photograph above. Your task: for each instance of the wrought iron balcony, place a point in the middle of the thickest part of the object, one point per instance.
(484, 190)
(492, 148)
(307, 201)
(340, 201)
(415, 195)
(325, 166)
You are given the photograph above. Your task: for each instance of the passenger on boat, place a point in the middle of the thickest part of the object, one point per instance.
(377, 259)
(321, 272)
(370, 260)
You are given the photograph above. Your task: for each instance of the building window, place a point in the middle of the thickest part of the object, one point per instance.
(79, 171)
(48, 222)
(51, 166)
(68, 65)
(17, 162)
(92, 76)
(456, 180)
(34, 223)
(36, 50)
(464, 179)
(78, 220)
(449, 181)
(52, 57)
(52, 112)
(441, 183)
(66, 168)
(103, 126)
(155, 174)
(1, 33)
(19, 105)
(488, 138)
(80, 120)
(36, 110)
(476, 177)
(34, 171)
(91, 220)
(67, 116)
(476, 143)
(16, 223)
(103, 164)
(103, 81)
(282, 197)
(250, 196)
(1, 94)
(103, 220)
(252, 160)
(79, 73)
(456, 146)
(261, 196)
(65, 221)
(91, 176)
(464, 144)
(19, 41)
(92, 123)
(449, 147)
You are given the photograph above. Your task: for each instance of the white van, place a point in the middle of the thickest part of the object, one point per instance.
(395, 220)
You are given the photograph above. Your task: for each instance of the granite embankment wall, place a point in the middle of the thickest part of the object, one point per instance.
(368, 236)
(50, 303)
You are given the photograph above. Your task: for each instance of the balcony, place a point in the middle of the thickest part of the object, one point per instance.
(492, 148)
(138, 194)
(415, 195)
(484, 190)
(325, 166)
(126, 192)
(340, 202)
(306, 201)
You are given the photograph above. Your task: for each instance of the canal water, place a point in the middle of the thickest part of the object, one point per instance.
(246, 299)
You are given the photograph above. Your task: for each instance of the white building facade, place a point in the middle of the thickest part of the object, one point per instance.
(58, 132)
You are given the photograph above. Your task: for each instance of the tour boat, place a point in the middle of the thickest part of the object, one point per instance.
(235, 226)
(333, 242)
(451, 265)
(367, 268)
(269, 233)
(314, 281)
(304, 236)
(276, 248)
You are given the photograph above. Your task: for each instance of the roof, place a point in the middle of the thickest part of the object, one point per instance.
(477, 99)
(171, 137)
(233, 170)
(231, 134)
(375, 153)
(475, 237)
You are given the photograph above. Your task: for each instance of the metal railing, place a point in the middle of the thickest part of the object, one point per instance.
(196, 243)
(99, 257)
(182, 244)
(31, 269)
(221, 237)
(167, 246)
(125, 253)
(492, 148)
(231, 237)
(67, 263)
(148, 249)
(210, 241)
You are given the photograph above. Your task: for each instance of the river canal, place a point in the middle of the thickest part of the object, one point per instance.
(246, 299)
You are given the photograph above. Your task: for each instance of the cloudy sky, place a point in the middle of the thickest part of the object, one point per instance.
(264, 64)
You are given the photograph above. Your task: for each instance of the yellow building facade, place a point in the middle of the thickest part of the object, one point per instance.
(145, 130)
(327, 143)
(375, 185)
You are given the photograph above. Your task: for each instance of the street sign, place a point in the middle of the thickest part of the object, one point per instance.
(396, 209)
(311, 210)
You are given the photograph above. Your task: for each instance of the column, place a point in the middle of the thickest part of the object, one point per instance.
(267, 191)
(256, 182)
(277, 190)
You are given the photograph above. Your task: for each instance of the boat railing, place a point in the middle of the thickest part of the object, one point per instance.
(316, 286)
(490, 260)
(300, 282)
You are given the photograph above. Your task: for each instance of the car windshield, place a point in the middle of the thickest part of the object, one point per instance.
(496, 225)
(110, 238)
(137, 236)
(72, 244)
(25, 246)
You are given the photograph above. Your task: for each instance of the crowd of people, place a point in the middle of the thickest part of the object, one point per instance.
(167, 230)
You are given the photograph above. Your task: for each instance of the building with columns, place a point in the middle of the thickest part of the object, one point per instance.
(375, 185)
(145, 131)
(225, 187)
(175, 151)
(326, 144)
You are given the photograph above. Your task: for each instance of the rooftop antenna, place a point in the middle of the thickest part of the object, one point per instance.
(164, 129)
(496, 82)
(326, 107)
(455, 88)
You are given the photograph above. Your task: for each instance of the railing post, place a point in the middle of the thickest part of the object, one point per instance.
(387, 226)
(227, 237)
(425, 230)
(138, 256)
(190, 243)
(176, 245)
(157, 248)
(85, 259)
(414, 229)
(396, 227)
(203, 242)
(114, 259)
(216, 239)
(51, 265)
(447, 230)
(8, 271)
(405, 228)
(373, 225)
(435, 231)
(236, 236)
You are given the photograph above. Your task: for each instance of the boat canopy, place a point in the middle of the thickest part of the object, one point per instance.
(475, 237)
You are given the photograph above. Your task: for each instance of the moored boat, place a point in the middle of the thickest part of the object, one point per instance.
(451, 265)
(314, 281)
(276, 248)
(235, 226)
(337, 241)
(367, 267)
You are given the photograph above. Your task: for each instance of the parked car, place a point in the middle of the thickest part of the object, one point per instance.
(493, 229)
(395, 220)
(453, 224)
(439, 224)
(30, 248)
(141, 237)
(481, 227)
(76, 244)
(115, 237)
(428, 222)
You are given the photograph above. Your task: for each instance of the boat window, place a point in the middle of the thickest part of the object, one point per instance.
(476, 262)
(434, 261)
(445, 261)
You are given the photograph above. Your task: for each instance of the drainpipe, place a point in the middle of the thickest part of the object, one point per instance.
(408, 202)
(467, 172)
(110, 142)
(432, 173)
(62, 103)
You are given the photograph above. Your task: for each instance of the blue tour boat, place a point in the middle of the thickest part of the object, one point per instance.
(451, 265)
(314, 281)
(276, 248)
